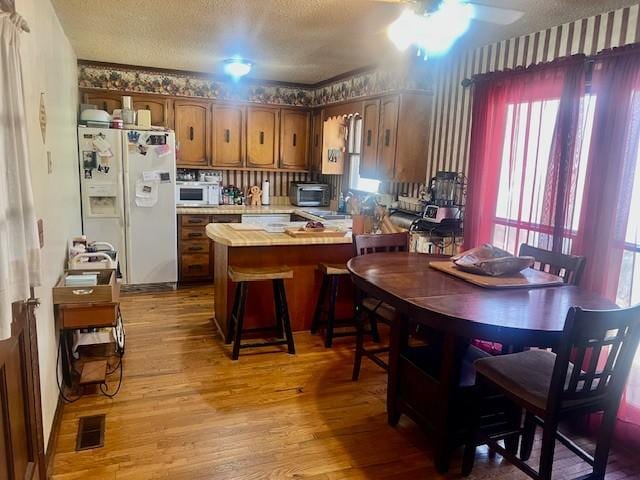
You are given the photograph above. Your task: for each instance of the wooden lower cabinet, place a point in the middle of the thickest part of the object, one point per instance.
(195, 250)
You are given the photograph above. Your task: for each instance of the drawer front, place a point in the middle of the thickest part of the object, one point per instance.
(195, 246)
(226, 218)
(89, 316)
(191, 220)
(193, 233)
(195, 266)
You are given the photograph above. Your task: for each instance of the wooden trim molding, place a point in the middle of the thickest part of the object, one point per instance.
(52, 443)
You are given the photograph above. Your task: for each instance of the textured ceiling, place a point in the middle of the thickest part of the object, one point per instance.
(302, 41)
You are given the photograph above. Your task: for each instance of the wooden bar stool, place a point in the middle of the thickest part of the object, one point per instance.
(326, 305)
(242, 276)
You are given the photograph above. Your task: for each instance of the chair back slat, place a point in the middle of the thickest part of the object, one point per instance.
(568, 267)
(608, 341)
(387, 242)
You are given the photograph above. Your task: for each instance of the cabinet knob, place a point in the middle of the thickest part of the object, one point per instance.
(294, 139)
(194, 235)
(227, 136)
(191, 133)
(261, 138)
(368, 138)
(387, 137)
(195, 249)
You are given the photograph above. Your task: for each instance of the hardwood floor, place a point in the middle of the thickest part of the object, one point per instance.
(186, 411)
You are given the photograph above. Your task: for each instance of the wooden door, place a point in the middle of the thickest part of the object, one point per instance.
(104, 101)
(369, 149)
(159, 109)
(316, 141)
(387, 137)
(227, 134)
(21, 442)
(262, 137)
(294, 129)
(191, 126)
(414, 117)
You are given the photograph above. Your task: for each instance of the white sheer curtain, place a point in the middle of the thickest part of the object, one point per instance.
(19, 248)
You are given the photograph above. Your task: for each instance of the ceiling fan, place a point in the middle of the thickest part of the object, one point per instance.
(433, 26)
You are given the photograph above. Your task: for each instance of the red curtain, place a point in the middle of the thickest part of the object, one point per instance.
(510, 109)
(574, 194)
(603, 235)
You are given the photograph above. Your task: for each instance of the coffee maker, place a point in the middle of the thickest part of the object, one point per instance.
(446, 192)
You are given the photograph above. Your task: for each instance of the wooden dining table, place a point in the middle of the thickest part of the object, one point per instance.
(433, 382)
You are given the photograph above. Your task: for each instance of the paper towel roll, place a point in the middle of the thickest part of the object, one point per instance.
(265, 192)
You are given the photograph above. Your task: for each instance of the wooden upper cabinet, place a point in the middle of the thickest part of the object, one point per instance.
(227, 136)
(191, 127)
(159, 109)
(387, 136)
(104, 101)
(294, 130)
(262, 137)
(413, 134)
(315, 140)
(369, 148)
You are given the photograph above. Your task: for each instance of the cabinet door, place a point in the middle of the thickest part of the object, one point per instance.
(191, 126)
(387, 137)
(369, 149)
(227, 134)
(294, 129)
(104, 101)
(414, 117)
(262, 137)
(158, 106)
(316, 141)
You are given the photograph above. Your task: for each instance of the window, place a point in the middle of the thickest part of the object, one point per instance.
(356, 182)
(629, 284)
(522, 210)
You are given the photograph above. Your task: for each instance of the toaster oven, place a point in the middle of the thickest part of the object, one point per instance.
(309, 194)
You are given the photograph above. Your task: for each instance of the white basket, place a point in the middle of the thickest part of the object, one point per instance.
(411, 204)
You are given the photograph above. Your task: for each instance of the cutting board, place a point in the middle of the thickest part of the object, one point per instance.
(326, 233)
(528, 278)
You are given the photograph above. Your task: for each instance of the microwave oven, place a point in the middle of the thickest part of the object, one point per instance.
(189, 194)
(309, 194)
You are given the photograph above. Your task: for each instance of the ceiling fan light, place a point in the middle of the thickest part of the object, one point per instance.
(444, 26)
(236, 67)
(404, 30)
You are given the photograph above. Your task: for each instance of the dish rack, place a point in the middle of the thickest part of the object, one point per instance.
(104, 257)
(410, 204)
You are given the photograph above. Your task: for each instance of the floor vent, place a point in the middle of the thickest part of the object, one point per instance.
(90, 432)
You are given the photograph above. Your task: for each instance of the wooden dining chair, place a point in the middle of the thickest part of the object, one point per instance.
(374, 310)
(587, 375)
(567, 267)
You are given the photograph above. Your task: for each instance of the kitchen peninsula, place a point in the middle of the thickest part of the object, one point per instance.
(259, 248)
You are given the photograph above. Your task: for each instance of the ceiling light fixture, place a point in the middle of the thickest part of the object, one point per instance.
(432, 33)
(237, 67)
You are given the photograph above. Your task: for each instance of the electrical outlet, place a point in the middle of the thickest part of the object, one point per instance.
(49, 163)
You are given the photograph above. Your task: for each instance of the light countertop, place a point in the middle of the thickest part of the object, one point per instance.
(225, 234)
(238, 210)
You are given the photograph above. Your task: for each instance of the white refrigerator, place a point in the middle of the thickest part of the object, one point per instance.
(128, 199)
